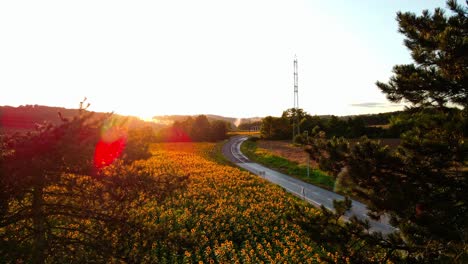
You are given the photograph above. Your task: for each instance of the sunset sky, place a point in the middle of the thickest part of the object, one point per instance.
(231, 58)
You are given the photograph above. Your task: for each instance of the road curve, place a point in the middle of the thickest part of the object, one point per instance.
(311, 193)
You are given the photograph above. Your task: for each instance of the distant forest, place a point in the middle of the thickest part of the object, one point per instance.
(182, 127)
(198, 129)
(383, 125)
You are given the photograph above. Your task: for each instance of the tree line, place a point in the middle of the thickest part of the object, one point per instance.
(198, 129)
(372, 126)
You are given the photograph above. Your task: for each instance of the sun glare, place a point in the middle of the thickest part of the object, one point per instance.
(146, 118)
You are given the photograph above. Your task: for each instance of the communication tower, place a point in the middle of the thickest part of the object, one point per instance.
(296, 129)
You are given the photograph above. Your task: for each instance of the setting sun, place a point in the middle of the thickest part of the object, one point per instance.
(213, 57)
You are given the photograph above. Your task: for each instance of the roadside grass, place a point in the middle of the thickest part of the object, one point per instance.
(262, 156)
(216, 154)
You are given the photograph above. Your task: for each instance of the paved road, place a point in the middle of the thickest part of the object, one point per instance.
(311, 193)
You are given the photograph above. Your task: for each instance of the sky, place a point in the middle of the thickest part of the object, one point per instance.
(231, 58)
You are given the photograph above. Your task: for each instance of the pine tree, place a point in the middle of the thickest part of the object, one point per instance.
(58, 205)
(421, 185)
(438, 46)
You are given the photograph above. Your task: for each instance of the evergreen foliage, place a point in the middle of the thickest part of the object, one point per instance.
(422, 184)
(438, 45)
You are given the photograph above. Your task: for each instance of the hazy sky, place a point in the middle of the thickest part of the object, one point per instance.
(232, 58)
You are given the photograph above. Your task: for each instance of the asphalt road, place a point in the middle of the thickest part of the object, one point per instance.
(311, 193)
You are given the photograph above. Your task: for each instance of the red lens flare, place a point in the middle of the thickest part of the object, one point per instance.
(107, 152)
(112, 144)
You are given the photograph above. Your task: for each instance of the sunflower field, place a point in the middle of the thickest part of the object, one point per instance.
(223, 214)
(176, 207)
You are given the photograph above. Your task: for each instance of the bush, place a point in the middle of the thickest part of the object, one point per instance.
(299, 139)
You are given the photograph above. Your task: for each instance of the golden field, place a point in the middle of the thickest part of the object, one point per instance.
(227, 215)
(176, 207)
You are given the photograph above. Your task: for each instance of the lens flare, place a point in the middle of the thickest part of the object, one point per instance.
(112, 143)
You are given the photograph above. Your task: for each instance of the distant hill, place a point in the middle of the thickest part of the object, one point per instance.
(25, 118)
(235, 122)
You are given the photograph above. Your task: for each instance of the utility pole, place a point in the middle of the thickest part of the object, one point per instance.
(306, 133)
(296, 129)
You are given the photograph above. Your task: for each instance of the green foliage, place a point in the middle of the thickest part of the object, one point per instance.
(348, 127)
(219, 130)
(327, 153)
(138, 142)
(275, 128)
(432, 158)
(422, 184)
(200, 130)
(317, 177)
(438, 45)
(299, 139)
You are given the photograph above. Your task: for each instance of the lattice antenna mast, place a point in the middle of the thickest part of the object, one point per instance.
(296, 129)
